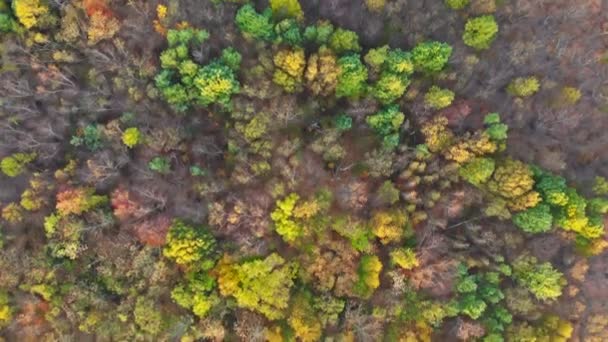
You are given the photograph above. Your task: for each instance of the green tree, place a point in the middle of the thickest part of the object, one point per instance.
(369, 270)
(352, 77)
(160, 165)
(387, 123)
(390, 87)
(478, 170)
(6, 314)
(534, 220)
(344, 41)
(480, 32)
(255, 25)
(16, 163)
(261, 285)
(286, 9)
(438, 98)
(283, 219)
(405, 258)
(147, 317)
(91, 136)
(457, 4)
(541, 279)
(524, 86)
(187, 244)
(288, 31)
(388, 193)
(216, 83)
(431, 57)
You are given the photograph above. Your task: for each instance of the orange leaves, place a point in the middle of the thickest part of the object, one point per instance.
(77, 201)
(124, 205)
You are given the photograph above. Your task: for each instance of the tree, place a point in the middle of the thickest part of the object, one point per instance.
(12, 213)
(131, 137)
(147, 317)
(160, 165)
(480, 32)
(216, 83)
(496, 130)
(6, 313)
(286, 9)
(352, 77)
(388, 193)
(456, 4)
(438, 98)
(523, 86)
(75, 201)
(478, 170)
(369, 276)
(288, 32)
(541, 279)
(16, 163)
(344, 41)
(102, 26)
(282, 217)
(30, 12)
(389, 225)
(303, 318)
(375, 5)
(262, 285)
(387, 123)
(319, 33)
(600, 186)
(322, 72)
(511, 179)
(195, 292)
(537, 219)
(436, 134)
(290, 69)
(405, 258)
(431, 57)
(188, 245)
(91, 136)
(390, 87)
(255, 25)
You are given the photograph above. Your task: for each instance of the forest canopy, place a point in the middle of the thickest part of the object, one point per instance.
(287, 170)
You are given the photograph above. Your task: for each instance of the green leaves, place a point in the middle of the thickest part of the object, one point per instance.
(431, 57)
(352, 77)
(252, 24)
(387, 123)
(480, 32)
(542, 280)
(478, 170)
(187, 244)
(534, 220)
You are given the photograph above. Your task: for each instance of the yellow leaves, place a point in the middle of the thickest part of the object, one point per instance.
(436, 133)
(511, 179)
(161, 11)
(12, 213)
(77, 201)
(29, 11)
(405, 258)
(102, 26)
(322, 72)
(369, 273)
(529, 200)
(467, 149)
(389, 226)
(159, 22)
(306, 210)
(290, 68)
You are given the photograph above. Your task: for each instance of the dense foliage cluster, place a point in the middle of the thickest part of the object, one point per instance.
(173, 176)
